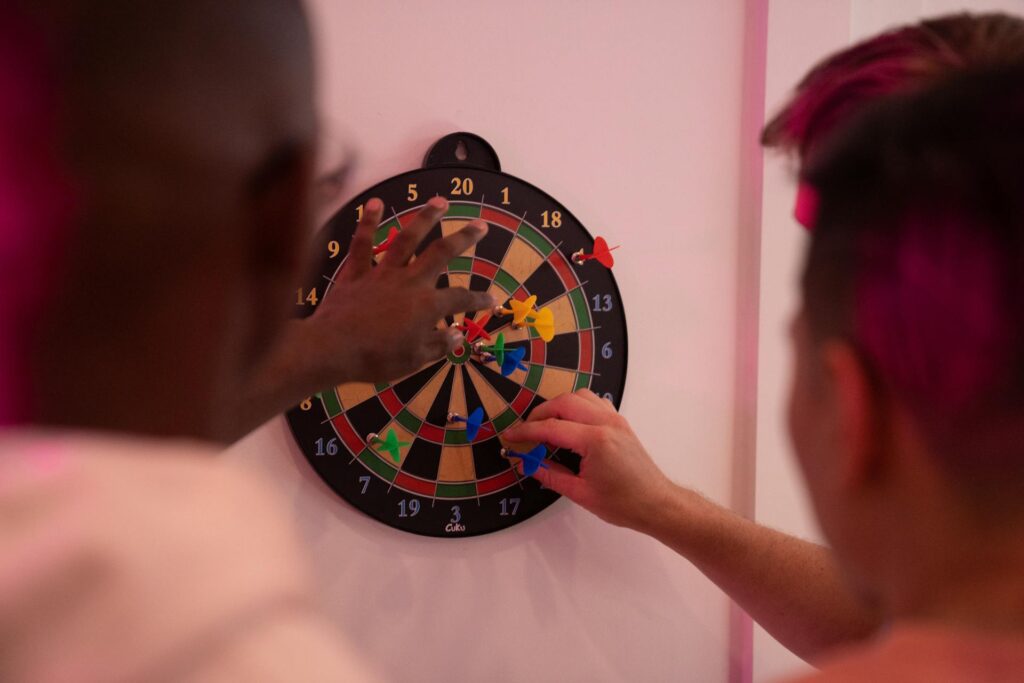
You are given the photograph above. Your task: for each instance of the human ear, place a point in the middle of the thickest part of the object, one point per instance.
(857, 412)
(278, 220)
(280, 194)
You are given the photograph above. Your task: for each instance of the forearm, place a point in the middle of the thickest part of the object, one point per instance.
(290, 373)
(792, 588)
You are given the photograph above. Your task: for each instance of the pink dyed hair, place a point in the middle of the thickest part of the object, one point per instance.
(918, 258)
(899, 61)
(34, 203)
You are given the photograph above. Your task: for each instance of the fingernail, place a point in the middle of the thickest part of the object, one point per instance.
(439, 203)
(374, 205)
(479, 227)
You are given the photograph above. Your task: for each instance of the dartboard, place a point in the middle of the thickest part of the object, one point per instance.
(425, 453)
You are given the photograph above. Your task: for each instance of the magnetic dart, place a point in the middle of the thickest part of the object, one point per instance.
(473, 422)
(390, 444)
(519, 310)
(386, 244)
(602, 254)
(533, 459)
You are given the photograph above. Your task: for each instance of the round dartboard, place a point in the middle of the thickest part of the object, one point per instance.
(425, 453)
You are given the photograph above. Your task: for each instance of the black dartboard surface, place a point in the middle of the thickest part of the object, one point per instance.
(441, 484)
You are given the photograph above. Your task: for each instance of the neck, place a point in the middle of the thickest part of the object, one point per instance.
(149, 373)
(974, 581)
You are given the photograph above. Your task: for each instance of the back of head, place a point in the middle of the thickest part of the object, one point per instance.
(899, 61)
(33, 207)
(184, 129)
(917, 260)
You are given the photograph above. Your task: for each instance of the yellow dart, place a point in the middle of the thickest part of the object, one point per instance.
(519, 310)
(544, 322)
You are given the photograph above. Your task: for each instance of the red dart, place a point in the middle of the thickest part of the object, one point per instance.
(474, 330)
(386, 244)
(602, 254)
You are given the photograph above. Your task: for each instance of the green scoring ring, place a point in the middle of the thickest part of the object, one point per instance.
(467, 352)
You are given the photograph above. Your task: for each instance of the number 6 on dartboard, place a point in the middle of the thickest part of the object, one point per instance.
(426, 453)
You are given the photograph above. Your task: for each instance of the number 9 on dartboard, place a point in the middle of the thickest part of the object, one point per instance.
(425, 453)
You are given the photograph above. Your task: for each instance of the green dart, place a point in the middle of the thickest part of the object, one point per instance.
(497, 349)
(390, 444)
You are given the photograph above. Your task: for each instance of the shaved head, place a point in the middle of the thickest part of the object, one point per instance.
(187, 130)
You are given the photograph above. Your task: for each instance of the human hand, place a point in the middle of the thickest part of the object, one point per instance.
(618, 480)
(379, 323)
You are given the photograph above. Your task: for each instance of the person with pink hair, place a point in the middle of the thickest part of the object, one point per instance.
(798, 591)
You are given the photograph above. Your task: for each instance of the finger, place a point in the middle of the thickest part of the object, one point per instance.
(435, 259)
(405, 244)
(452, 300)
(574, 408)
(589, 396)
(360, 253)
(558, 433)
(556, 477)
(600, 401)
(442, 342)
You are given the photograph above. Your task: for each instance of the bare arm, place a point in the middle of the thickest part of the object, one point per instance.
(793, 588)
(375, 324)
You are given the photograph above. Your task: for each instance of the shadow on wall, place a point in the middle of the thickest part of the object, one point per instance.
(497, 607)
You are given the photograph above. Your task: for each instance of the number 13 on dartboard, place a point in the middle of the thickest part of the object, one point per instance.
(426, 453)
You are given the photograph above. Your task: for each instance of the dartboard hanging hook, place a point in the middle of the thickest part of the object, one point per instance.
(462, 149)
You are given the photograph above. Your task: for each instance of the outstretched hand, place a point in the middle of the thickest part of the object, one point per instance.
(618, 480)
(379, 323)
(375, 324)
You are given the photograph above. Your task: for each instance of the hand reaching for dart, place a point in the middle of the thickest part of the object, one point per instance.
(618, 480)
(379, 323)
(376, 323)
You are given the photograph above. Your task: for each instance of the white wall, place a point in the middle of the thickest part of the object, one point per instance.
(800, 33)
(629, 113)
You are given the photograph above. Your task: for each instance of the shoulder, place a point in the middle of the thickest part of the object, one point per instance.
(919, 653)
(159, 551)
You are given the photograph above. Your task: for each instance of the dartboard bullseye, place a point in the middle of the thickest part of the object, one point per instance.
(425, 453)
